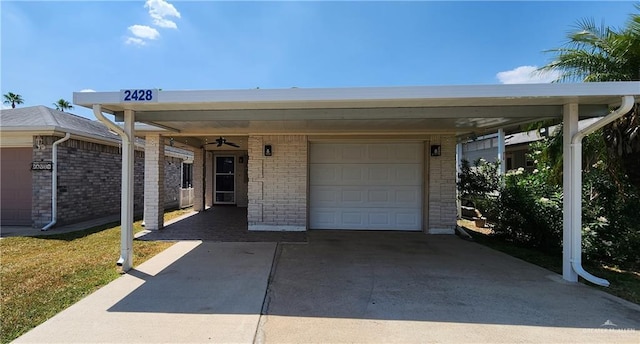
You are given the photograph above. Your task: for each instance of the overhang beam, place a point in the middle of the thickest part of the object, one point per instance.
(587, 110)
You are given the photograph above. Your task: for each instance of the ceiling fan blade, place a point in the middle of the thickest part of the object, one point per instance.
(232, 144)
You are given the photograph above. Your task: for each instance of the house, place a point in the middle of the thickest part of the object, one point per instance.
(516, 146)
(377, 158)
(88, 168)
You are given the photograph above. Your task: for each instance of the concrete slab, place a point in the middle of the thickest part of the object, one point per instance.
(345, 287)
(193, 292)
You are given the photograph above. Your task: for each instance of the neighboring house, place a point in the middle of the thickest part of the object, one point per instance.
(516, 146)
(89, 168)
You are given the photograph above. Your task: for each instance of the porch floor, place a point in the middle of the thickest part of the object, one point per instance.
(220, 224)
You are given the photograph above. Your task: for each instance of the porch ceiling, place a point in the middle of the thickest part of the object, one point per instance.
(390, 110)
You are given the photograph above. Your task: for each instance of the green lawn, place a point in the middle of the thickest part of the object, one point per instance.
(41, 276)
(624, 283)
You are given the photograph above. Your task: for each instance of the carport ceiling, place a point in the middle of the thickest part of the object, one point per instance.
(411, 110)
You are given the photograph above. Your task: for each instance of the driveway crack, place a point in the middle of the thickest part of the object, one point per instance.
(258, 337)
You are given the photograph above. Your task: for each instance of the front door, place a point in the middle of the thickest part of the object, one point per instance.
(225, 180)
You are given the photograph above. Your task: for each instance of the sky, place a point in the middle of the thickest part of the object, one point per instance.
(50, 49)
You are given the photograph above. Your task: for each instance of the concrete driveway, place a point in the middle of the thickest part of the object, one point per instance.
(343, 287)
(411, 288)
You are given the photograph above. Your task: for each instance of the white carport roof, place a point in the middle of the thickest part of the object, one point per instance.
(459, 110)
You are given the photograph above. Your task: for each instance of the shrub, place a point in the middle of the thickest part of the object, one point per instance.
(527, 208)
(478, 182)
(610, 226)
(529, 211)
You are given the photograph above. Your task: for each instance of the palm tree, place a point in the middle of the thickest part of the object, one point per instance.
(13, 99)
(63, 105)
(594, 54)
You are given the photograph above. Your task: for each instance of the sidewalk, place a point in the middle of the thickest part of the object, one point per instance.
(193, 292)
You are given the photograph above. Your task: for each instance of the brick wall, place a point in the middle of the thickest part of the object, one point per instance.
(442, 187)
(278, 183)
(89, 176)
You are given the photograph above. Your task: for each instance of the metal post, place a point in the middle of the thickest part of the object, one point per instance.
(126, 225)
(570, 128)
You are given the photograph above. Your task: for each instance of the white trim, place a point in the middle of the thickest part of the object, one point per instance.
(367, 96)
(215, 174)
(277, 228)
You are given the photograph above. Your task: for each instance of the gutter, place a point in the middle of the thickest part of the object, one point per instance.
(126, 244)
(576, 188)
(54, 182)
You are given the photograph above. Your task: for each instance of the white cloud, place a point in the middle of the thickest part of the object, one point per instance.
(159, 10)
(87, 90)
(135, 41)
(527, 75)
(144, 32)
(5, 106)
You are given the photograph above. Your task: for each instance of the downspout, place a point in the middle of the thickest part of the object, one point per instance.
(576, 188)
(126, 249)
(54, 183)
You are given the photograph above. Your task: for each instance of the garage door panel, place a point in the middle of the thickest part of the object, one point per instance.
(365, 174)
(408, 219)
(379, 220)
(366, 197)
(355, 153)
(351, 174)
(352, 218)
(366, 219)
(325, 218)
(323, 174)
(366, 186)
(408, 196)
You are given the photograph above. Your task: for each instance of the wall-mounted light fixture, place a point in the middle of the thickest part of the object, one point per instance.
(436, 150)
(268, 150)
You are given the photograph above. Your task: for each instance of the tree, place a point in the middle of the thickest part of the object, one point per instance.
(595, 54)
(13, 99)
(63, 105)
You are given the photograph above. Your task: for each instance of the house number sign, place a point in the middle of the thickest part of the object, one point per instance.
(139, 95)
(42, 166)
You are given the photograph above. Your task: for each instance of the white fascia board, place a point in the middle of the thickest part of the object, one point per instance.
(59, 131)
(513, 91)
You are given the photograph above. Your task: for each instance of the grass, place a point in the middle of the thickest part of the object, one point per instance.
(624, 283)
(41, 276)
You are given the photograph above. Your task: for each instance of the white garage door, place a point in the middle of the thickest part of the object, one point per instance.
(376, 186)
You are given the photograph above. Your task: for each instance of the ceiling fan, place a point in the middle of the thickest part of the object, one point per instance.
(222, 141)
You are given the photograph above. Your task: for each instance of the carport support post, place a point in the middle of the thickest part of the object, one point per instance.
(154, 182)
(198, 179)
(126, 213)
(569, 129)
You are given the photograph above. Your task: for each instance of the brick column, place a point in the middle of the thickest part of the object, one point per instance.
(198, 179)
(442, 187)
(153, 182)
(278, 183)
